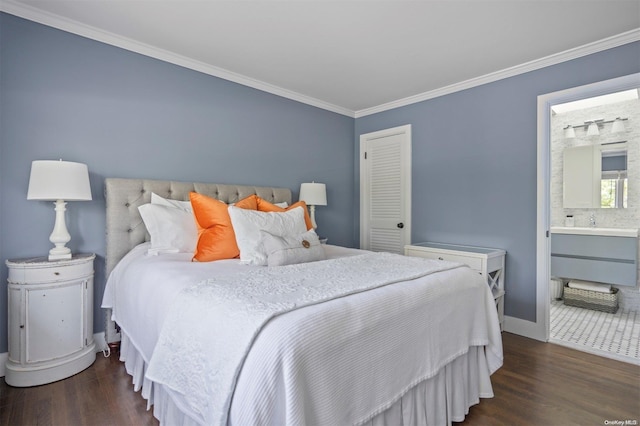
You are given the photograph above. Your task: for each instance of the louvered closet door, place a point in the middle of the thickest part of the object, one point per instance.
(385, 192)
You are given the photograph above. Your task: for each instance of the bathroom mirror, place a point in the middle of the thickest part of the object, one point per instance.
(613, 181)
(595, 176)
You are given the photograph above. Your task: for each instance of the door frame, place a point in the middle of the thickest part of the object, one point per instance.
(543, 247)
(406, 165)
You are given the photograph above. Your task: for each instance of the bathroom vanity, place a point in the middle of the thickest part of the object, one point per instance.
(605, 255)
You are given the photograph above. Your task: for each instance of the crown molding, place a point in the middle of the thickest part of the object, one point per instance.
(567, 55)
(33, 14)
(75, 27)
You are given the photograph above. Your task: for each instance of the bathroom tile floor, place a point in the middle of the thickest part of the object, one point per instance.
(614, 336)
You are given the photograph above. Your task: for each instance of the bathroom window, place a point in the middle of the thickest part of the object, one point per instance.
(614, 189)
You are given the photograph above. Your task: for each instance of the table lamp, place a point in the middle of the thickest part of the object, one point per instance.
(59, 181)
(313, 194)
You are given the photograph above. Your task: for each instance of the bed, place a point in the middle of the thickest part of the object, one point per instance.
(361, 338)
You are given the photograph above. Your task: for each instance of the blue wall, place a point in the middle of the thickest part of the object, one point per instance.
(474, 163)
(127, 115)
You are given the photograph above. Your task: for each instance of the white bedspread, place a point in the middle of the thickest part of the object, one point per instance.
(141, 288)
(211, 326)
(311, 365)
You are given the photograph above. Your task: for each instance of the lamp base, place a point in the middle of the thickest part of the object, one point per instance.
(59, 256)
(312, 211)
(60, 252)
(60, 236)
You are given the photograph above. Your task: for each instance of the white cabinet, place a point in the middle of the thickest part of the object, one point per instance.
(50, 319)
(488, 262)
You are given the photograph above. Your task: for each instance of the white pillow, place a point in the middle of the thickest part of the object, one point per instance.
(291, 249)
(182, 205)
(172, 230)
(283, 204)
(247, 225)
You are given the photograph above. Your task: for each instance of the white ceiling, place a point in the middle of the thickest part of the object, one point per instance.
(353, 57)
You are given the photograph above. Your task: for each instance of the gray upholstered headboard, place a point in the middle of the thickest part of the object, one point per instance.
(125, 228)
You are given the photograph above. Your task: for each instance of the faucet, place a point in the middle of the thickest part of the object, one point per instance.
(592, 220)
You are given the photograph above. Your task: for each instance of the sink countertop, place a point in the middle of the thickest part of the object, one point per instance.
(607, 232)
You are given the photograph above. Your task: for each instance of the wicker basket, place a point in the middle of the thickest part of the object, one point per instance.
(605, 302)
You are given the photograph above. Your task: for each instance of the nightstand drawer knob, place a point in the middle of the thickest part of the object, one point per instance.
(56, 273)
(400, 225)
(440, 258)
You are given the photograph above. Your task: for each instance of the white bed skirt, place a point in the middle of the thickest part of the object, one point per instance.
(440, 400)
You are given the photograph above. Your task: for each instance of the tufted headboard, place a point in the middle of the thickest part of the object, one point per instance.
(125, 228)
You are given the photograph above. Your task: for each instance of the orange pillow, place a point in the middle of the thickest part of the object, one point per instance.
(265, 206)
(216, 239)
(249, 203)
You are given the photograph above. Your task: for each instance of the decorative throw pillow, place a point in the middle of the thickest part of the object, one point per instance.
(290, 249)
(265, 206)
(250, 203)
(247, 225)
(182, 205)
(216, 238)
(171, 229)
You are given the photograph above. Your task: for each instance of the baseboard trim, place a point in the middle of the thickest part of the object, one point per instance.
(98, 338)
(100, 341)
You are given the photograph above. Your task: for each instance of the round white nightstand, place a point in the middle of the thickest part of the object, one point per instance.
(50, 319)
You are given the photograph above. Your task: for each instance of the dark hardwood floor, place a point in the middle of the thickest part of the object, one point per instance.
(100, 395)
(539, 384)
(546, 384)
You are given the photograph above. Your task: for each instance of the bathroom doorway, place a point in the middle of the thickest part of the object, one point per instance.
(567, 122)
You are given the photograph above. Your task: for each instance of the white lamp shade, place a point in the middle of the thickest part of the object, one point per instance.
(314, 194)
(593, 129)
(59, 180)
(617, 126)
(569, 132)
